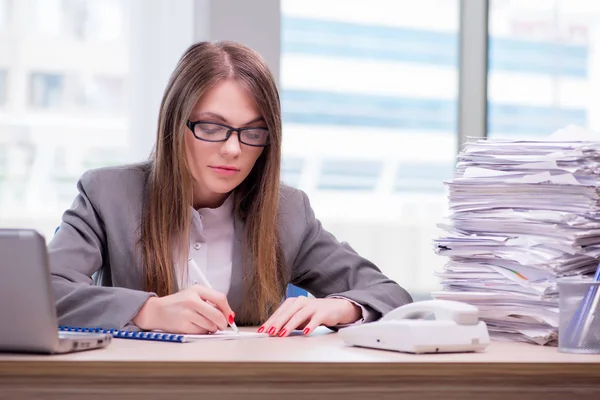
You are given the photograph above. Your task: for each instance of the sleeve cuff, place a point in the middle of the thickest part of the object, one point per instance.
(366, 314)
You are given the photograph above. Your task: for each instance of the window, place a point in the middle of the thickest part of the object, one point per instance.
(3, 166)
(291, 170)
(84, 93)
(543, 58)
(78, 92)
(86, 20)
(369, 102)
(349, 175)
(367, 110)
(100, 93)
(74, 114)
(3, 87)
(4, 11)
(423, 177)
(46, 90)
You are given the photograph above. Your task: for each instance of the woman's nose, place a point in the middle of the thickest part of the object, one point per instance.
(232, 145)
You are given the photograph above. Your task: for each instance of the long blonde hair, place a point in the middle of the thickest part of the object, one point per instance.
(167, 214)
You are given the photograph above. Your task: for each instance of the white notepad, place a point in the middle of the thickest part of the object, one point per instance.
(224, 335)
(219, 335)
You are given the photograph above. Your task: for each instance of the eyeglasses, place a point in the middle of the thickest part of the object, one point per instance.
(214, 132)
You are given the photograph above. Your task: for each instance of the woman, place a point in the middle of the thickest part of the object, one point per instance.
(209, 205)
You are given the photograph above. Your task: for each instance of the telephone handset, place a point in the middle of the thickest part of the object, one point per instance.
(443, 310)
(455, 328)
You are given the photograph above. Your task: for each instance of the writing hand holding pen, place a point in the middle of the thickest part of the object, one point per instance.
(196, 310)
(204, 282)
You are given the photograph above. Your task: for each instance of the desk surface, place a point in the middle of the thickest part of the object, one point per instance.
(322, 360)
(321, 347)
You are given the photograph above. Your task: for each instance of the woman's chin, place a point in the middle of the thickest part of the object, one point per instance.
(221, 189)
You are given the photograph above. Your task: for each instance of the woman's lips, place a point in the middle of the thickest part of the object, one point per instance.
(224, 170)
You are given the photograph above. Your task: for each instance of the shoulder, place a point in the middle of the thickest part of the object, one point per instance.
(295, 216)
(118, 184)
(117, 175)
(292, 201)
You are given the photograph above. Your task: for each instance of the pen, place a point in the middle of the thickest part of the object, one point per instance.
(205, 282)
(584, 316)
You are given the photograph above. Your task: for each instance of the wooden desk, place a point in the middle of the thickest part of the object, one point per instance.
(298, 367)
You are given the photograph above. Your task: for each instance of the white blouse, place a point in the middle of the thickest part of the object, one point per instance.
(211, 249)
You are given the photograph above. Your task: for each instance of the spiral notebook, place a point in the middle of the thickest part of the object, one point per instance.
(167, 337)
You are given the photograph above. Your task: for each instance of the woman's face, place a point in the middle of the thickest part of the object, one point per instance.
(219, 167)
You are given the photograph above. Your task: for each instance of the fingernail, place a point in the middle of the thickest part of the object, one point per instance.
(306, 330)
(272, 330)
(231, 318)
(282, 332)
(261, 329)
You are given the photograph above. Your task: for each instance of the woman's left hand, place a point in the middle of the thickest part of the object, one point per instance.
(309, 313)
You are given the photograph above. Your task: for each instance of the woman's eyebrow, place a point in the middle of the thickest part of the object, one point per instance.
(210, 115)
(257, 119)
(223, 119)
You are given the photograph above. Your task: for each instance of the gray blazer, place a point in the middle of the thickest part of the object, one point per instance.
(99, 233)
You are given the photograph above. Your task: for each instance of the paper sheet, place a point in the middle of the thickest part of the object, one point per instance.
(522, 214)
(221, 335)
(225, 335)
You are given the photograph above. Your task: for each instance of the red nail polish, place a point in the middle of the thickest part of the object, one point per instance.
(306, 330)
(272, 330)
(282, 332)
(231, 316)
(261, 329)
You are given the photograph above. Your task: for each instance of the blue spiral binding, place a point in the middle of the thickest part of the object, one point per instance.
(156, 336)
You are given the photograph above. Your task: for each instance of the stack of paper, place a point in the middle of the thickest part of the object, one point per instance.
(522, 214)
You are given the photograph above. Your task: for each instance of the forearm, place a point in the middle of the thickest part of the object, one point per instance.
(377, 299)
(146, 316)
(85, 305)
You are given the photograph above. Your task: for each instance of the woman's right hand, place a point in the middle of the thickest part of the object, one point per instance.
(195, 310)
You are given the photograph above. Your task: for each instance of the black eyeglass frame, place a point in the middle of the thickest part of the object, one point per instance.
(191, 125)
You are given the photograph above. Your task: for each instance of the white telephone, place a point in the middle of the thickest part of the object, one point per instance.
(456, 328)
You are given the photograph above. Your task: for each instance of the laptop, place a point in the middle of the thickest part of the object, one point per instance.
(28, 321)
